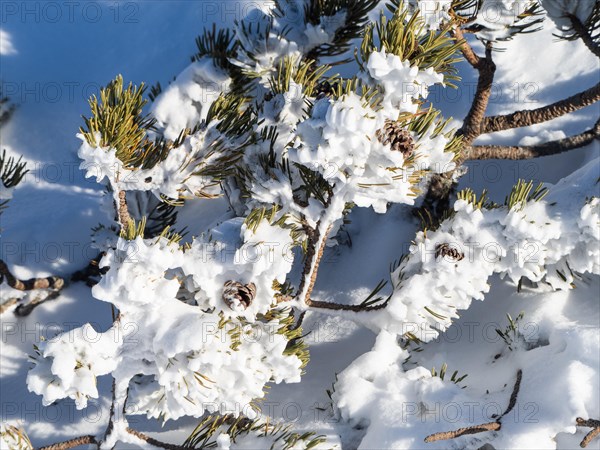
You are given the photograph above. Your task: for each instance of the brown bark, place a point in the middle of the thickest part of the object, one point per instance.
(479, 152)
(472, 126)
(31, 284)
(313, 260)
(591, 423)
(122, 212)
(437, 199)
(446, 435)
(87, 440)
(466, 49)
(527, 118)
(82, 440)
(154, 442)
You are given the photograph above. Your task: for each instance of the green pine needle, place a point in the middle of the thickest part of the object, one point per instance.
(407, 38)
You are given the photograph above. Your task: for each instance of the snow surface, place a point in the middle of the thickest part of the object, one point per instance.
(46, 231)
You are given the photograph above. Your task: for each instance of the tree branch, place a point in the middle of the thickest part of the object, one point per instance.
(446, 435)
(5, 306)
(316, 247)
(513, 397)
(24, 309)
(342, 307)
(52, 282)
(111, 414)
(490, 426)
(526, 118)
(466, 49)
(591, 423)
(85, 440)
(582, 32)
(154, 442)
(437, 199)
(82, 440)
(472, 126)
(479, 152)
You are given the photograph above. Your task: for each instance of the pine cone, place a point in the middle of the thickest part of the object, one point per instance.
(444, 250)
(236, 294)
(325, 89)
(399, 139)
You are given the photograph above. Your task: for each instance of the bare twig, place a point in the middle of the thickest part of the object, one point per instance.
(446, 435)
(527, 118)
(309, 276)
(25, 309)
(316, 247)
(335, 306)
(55, 283)
(154, 442)
(515, 393)
(5, 306)
(86, 440)
(582, 32)
(490, 426)
(591, 423)
(111, 414)
(478, 152)
(342, 307)
(82, 440)
(54, 289)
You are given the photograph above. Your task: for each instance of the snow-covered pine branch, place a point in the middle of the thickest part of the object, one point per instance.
(550, 239)
(204, 324)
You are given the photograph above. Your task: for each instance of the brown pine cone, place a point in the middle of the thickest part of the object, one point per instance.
(237, 294)
(444, 250)
(399, 139)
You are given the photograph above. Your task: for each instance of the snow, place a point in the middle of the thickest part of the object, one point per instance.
(377, 392)
(404, 404)
(433, 12)
(6, 44)
(559, 9)
(184, 103)
(67, 366)
(498, 17)
(402, 84)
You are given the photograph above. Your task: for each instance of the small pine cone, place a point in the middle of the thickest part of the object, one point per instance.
(236, 294)
(399, 139)
(325, 89)
(444, 250)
